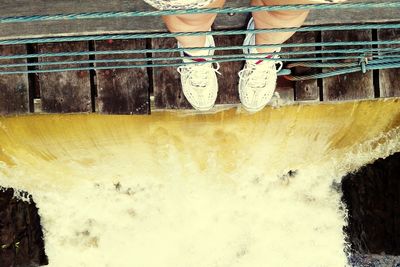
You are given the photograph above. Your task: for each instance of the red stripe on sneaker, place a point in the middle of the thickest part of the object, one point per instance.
(261, 60)
(194, 59)
(199, 59)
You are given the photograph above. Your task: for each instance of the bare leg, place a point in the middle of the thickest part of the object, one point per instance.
(277, 19)
(192, 23)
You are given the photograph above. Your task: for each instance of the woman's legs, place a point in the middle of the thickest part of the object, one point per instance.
(258, 78)
(192, 23)
(199, 81)
(277, 19)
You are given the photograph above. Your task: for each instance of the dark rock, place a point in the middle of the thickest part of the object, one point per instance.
(372, 196)
(21, 235)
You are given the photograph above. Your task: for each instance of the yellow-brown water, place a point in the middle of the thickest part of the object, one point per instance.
(174, 189)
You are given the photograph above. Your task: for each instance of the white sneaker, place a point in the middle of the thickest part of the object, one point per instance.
(199, 81)
(257, 81)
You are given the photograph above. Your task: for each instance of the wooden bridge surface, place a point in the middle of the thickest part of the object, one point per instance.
(148, 24)
(130, 91)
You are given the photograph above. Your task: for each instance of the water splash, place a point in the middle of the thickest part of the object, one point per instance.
(223, 189)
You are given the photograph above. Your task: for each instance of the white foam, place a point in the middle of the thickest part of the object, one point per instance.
(168, 202)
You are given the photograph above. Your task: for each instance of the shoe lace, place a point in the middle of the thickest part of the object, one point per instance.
(257, 75)
(198, 73)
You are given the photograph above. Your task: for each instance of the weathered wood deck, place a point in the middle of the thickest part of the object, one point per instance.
(131, 91)
(147, 24)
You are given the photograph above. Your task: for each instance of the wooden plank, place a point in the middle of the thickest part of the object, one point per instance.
(289, 91)
(122, 91)
(304, 90)
(284, 88)
(75, 27)
(229, 80)
(349, 86)
(14, 89)
(166, 80)
(148, 24)
(285, 91)
(389, 79)
(68, 91)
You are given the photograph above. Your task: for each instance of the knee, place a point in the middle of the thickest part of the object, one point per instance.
(280, 15)
(288, 15)
(187, 22)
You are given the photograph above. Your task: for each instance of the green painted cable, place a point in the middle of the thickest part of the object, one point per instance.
(135, 36)
(125, 52)
(226, 10)
(359, 68)
(215, 57)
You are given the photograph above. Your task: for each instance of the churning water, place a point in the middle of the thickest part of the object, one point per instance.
(188, 190)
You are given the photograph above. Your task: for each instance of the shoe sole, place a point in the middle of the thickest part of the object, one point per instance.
(253, 110)
(203, 109)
